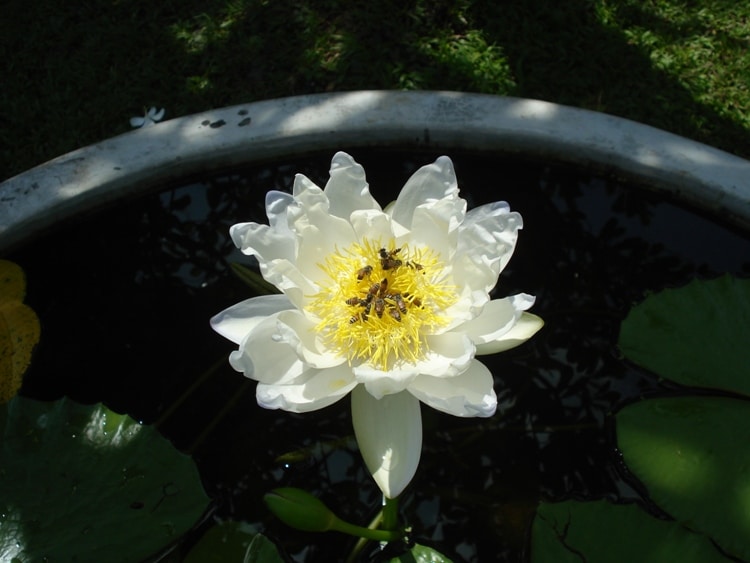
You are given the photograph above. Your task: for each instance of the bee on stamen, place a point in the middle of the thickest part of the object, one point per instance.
(354, 301)
(417, 266)
(374, 288)
(383, 287)
(366, 312)
(417, 302)
(354, 318)
(399, 303)
(365, 272)
(388, 260)
(393, 312)
(379, 306)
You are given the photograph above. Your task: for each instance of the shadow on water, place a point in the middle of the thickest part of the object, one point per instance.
(125, 297)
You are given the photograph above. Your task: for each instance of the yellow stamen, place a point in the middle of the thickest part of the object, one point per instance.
(380, 301)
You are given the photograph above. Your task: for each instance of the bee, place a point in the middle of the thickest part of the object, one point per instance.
(374, 289)
(365, 303)
(388, 260)
(416, 265)
(365, 272)
(366, 312)
(383, 287)
(417, 302)
(379, 306)
(393, 312)
(399, 303)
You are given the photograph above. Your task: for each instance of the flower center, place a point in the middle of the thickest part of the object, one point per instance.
(380, 302)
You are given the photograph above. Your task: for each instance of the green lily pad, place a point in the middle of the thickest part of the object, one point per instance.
(226, 542)
(83, 483)
(696, 335)
(262, 550)
(421, 554)
(571, 532)
(693, 455)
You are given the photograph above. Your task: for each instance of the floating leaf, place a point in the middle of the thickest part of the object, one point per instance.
(229, 542)
(262, 550)
(19, 330)
(693, 455)
(696, 335)
(421, 554)
(571, 532)
(83, 483)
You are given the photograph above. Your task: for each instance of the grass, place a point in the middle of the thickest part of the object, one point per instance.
(75, 72)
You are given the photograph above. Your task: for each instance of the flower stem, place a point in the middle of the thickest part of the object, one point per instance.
(390, 514)
(368, 533)
(377, 526)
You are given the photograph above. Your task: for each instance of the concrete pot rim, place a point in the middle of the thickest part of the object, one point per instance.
(145, 159)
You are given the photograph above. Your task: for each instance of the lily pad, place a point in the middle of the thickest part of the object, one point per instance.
(83, 483)
(571, 532)
(693, 455)
(226, 542)
(19, 330)
(421, 554)
(696, 335)
(262, 550)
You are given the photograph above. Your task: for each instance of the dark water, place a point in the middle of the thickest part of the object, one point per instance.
(125, 296)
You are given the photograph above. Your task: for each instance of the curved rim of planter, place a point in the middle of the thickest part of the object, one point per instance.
(146, 159)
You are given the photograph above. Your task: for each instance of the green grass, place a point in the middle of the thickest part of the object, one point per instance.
(75, 72)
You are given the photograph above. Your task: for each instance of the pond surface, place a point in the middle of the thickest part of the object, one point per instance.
(124, 297)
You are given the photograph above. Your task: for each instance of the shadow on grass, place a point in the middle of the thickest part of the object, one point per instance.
(561, 52)
(95, 66)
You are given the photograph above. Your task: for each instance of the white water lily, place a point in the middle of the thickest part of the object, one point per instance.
(390, 304)
(151, 116)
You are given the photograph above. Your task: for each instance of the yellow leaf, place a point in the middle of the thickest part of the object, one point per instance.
(19, 330)
(12, 282)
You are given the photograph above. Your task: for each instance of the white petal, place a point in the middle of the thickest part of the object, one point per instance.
(380, 383)
(236, 322)
(268, 242)
(319, 235)
(315, 389)
(469, 303)
(486, 242)
(389, 435)
(299, 332)
(156, 115)
(347, 189)
(264, 242)
(277, 204)
(449, 354)
(495, 329)
(289, 280)
(468, 394)
(497, 318)
(435, 225)
(137, 121)
(526, 327)
(266, 357)
(430, 183)
(307, 193)
(373, 225)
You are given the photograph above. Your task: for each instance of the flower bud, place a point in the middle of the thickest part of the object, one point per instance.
(299, 509)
